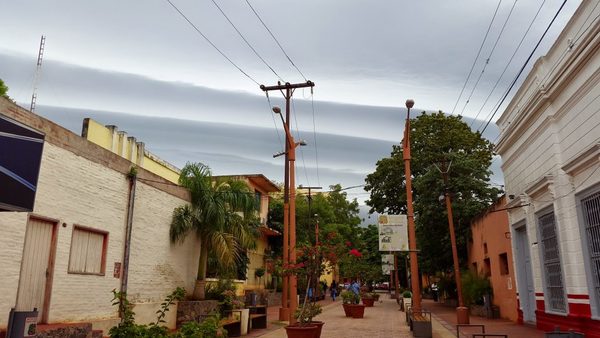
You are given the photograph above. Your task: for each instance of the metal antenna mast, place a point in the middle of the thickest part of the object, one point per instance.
(38, 69)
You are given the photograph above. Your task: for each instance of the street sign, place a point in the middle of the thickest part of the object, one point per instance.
(393, 233)
(387, 264)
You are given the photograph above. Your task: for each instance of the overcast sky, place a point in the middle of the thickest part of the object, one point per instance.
(139, 65)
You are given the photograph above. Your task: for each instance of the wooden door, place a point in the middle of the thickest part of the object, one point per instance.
(37, 267)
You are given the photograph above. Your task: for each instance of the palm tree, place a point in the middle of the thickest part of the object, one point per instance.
(221, 213)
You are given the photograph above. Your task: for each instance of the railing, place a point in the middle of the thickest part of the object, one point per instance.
(557, 333)
(459, 326)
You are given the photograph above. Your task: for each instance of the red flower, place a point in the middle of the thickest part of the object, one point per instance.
(348, 243)
(355, 253)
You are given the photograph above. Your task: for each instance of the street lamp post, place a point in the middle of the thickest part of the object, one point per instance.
(462, 312)
(412, 237)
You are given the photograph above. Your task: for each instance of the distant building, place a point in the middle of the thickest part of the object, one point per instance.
(109, 137)
(550, 148)
(490, 254)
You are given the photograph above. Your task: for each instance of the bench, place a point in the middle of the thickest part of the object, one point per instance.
(258, 317)
(420, 323)
(233, 326)
(561, 334)
(459, 326)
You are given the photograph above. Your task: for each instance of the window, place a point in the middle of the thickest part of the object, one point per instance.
(257, 199)
(503, 263)
(555, 291)
(88, 251)
(591, 222)
(485, 249)
(487, 271)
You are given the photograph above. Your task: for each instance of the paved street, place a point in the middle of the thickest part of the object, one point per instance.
(384, 320)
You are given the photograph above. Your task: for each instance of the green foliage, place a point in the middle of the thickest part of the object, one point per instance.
(209, 328)
(215, 290)
(221, 214)
(349, 297)
(259, 272)
(305, 314)
(436, 138)
(3, 89)
(406, 294)
(127, 328)
(474, 287)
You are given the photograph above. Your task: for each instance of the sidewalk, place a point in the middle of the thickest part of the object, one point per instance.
(384, 320)
(447, 317)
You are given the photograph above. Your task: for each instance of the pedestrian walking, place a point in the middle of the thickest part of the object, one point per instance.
(333, 290)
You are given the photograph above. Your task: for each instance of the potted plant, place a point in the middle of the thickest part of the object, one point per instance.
(368, 299)
(259, 273)
(352, 308)
(305, 315)
(240, 312)
(406, 299)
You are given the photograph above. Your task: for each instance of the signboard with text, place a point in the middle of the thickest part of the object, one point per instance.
(393, 233)
(387, 264)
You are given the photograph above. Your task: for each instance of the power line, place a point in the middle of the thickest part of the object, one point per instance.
(312, 103)
(508, 63)
(246, 41)
(274, 38)
(298, 136)
(273, 117)
(210, 42)
(477, 57)
(487, 61)
(524, 65)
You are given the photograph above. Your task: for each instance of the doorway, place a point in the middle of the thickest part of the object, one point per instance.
(524, 274)
(37, 267)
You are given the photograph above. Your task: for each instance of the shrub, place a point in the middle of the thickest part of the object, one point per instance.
(475, 286)
(407, 294)
(349, 297)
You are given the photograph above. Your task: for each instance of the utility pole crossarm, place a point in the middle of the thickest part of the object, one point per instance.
(287, 85)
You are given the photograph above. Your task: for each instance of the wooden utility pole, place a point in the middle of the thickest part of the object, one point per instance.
(462, 313)
(289, 298)
(309, 198)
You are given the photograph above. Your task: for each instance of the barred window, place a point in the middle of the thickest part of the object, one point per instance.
(591, 221)
(555, 290)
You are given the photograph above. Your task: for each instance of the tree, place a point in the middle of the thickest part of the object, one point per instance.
(436, 138)
(3, 89)
(222, 215)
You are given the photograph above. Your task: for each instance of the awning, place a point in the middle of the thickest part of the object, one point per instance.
(20, 158)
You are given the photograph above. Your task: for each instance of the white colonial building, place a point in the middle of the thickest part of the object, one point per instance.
(550, 147)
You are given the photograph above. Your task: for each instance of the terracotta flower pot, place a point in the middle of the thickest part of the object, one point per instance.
(297, 331)
(376, 297)
(368, 302)
(319, 325)
(347, 310)
(354, 310)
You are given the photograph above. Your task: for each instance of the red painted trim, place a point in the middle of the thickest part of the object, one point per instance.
(575, 296)
(580, 310)
(586, 325)
(539, 294)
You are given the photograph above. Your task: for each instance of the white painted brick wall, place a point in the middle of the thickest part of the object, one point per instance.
(78, 191)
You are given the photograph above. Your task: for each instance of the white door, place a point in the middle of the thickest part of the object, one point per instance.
(37, 267)
(525, 276)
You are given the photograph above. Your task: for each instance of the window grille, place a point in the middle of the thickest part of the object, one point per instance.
(555, 291)
(591, 216)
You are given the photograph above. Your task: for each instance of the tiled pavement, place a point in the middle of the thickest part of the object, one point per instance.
(381, 321)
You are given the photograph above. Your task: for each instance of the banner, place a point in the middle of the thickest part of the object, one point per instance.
(393, 233)
(387, 264)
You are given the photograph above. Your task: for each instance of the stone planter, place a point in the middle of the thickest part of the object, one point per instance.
(368, 302)
(244, 317)
(297, 331)
(198, 310)
(354, 310)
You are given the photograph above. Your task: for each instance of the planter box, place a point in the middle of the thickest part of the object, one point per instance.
(354, 310)
(368, 302)
(188, 311)
(296, 331)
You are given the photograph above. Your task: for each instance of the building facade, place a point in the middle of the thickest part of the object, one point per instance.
(550, 147)
(490, 255)
(66, 256)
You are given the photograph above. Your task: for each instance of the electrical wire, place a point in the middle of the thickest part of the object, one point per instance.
(246, 41)
(274, 38)
(298, 136)
(270, 111)
(508, 63)
(210, 42)
(487, 61)
(312, 103)
(524, 65)
(476, 57)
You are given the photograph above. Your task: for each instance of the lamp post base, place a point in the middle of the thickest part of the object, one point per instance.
(284, 314)
(462, 315)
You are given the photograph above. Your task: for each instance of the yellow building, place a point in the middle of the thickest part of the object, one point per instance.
(109, 137)
(262, 187)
